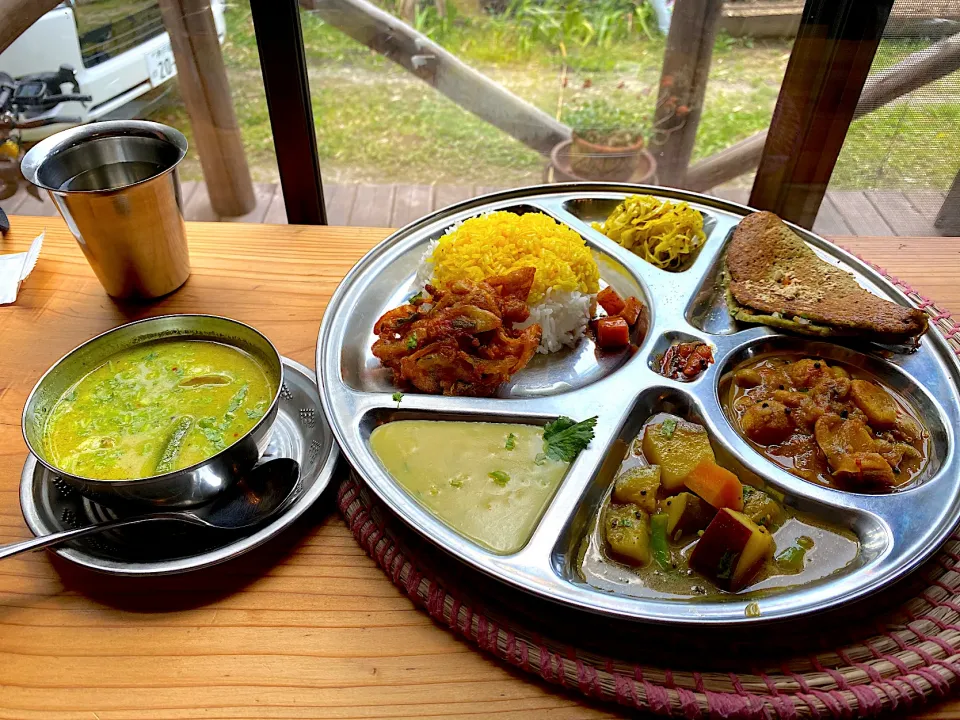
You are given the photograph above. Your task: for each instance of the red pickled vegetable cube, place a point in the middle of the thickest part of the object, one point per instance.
(610, 301)
(631, 310)
(612, 332)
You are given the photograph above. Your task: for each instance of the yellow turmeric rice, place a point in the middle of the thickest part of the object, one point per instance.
(502, 242)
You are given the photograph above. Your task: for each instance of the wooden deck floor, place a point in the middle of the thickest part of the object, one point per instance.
(870, 212)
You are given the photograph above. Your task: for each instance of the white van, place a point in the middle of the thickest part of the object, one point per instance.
(119, 50)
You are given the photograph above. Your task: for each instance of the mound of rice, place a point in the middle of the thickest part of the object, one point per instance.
(564, 287)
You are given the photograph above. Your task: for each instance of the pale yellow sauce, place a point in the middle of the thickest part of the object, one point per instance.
(464, 473)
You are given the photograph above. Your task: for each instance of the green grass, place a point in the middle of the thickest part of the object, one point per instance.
(902, 146)
(727, 118)
(377, 123)
(428, 137)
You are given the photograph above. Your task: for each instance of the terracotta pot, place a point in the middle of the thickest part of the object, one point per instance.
(560, 170)
(604, 162)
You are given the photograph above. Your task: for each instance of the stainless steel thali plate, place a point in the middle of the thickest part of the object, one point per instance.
(896, 531)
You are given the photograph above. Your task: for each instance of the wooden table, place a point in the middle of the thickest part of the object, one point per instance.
(305, 627)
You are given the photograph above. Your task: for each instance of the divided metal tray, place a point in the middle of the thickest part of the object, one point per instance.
(896, 531)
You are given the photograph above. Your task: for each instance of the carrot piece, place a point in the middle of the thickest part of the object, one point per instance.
(717, 485)
(610, 301)
(612, 332)
(631, 310)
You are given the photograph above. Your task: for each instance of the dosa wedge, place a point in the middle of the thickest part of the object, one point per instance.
(774, 278)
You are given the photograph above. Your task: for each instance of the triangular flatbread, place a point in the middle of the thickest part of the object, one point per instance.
(774, 278)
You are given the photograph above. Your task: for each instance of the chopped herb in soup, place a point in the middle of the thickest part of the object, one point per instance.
(156, 408)
(488, 481)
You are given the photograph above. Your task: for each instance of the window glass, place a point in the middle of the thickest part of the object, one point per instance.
(121, 54)
(597, 67)
(422, 103)
(900, 157)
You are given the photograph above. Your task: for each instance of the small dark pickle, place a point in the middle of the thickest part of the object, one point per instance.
(685, 361)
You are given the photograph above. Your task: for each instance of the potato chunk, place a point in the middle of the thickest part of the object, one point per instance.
(639, 486)
(677, 446)
(865, 468)
(761, 508)
(732, 550)
(686, 514)
(748, 378)
(807, 372)
(907, 429)
(767, 422)
(837, 436)
(790, 398)
(839, 373)
(851, 451)
(875, 402)
(627, 530)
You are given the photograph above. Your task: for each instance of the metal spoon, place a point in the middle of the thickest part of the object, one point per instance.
(253, 499)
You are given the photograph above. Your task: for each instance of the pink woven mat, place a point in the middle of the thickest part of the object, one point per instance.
(836, 666)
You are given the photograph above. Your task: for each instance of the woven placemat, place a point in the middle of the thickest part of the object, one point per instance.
(832, 666)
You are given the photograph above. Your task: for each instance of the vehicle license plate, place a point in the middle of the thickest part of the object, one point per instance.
(161, 65)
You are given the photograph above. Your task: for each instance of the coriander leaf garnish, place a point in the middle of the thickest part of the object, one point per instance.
(237, 400)
(727, 564)
(411, 341)
(668, 427)
(540, 459)
(397, 397)
(416, 296)
(564, 438)
(500, 478)
(511, 442)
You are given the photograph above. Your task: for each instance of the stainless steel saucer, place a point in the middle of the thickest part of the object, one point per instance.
(299, 432)
(897, 532)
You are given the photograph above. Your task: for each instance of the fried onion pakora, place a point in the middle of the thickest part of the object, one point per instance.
(460, 341)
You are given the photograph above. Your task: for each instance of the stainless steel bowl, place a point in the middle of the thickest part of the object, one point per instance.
(193, 485)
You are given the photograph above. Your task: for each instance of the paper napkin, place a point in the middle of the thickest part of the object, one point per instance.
(15, 268)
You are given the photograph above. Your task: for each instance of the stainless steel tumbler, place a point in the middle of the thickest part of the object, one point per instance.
(116, 186)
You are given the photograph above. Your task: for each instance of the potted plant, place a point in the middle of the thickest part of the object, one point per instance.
(607, 140)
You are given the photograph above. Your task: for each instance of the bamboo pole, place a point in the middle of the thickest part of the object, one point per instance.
(206, 94)
(421, 56)
(914, 71)
(683, 83)
(18, 15)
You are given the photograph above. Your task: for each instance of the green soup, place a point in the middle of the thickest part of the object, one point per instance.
(155, 408)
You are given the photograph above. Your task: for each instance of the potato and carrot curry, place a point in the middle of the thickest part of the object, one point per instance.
(828, 423)
(677, 523)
